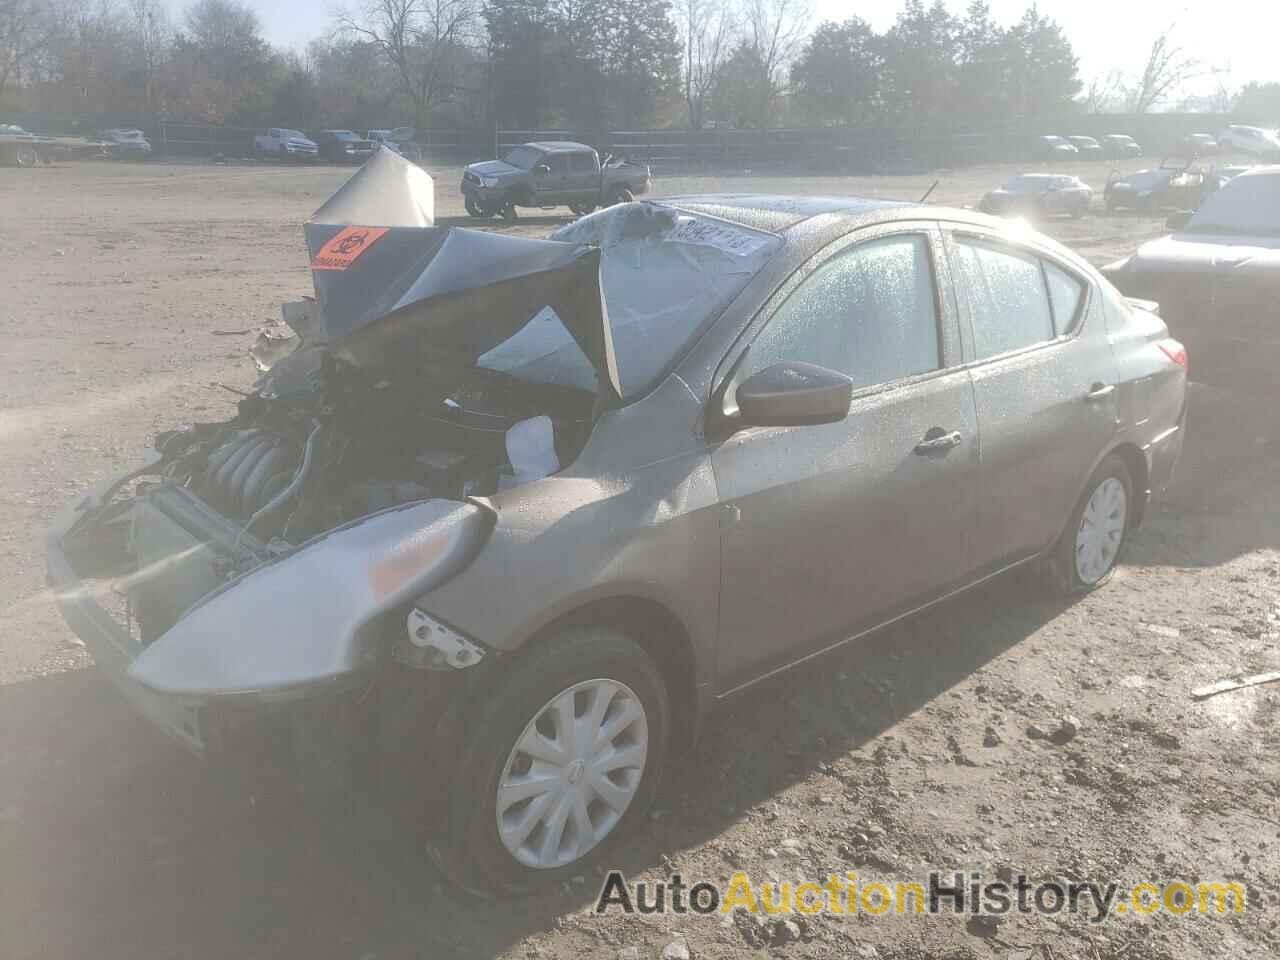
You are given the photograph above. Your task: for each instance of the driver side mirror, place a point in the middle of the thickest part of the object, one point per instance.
(541, 170)
(794, 394)
(1178, 220)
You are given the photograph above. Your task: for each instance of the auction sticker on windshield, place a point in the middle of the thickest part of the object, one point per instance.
(724, 237)
(345, 247)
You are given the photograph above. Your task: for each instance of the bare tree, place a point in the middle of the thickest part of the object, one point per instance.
(1105, 93)
(775, 31)
(706, 29)
(422, 40)
(151, 35)
(25, 30)
(1168, 67)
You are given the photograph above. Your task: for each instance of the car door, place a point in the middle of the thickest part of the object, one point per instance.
(584, 180)
(1044, 382)
(830, 530)
(551, 187)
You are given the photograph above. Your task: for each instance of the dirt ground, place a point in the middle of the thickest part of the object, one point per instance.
(128, 298)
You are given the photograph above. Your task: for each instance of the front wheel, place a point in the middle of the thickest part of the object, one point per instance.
(474, 207)
(1089, 548)
(563, 757)
(26, 157)
(509, 212)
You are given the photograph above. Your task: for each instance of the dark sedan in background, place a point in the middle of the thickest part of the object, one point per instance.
(1217, 280)
(343, 146)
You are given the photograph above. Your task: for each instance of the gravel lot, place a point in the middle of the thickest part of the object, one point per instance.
(130, 295)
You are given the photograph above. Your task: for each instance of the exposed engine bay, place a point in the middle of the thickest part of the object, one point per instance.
(297, 462)
(292, 465)
(425, 368)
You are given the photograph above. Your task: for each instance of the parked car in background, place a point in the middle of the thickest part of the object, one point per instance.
(717, 478)
(1039, 195)
(343, 146)
(548, 174)
(1199, 145)
(1055, 148)
(1118, 146)
(282, 143)
(400, 140)
(20, 147)
(125, 144)
(1174, 183)
(1255, 141)
(1217, 280)
(1090, 149)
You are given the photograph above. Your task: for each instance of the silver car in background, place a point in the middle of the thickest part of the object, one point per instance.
(1039, 195)
(518, 513)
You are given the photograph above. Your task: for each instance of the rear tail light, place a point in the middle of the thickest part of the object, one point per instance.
(1175, 351)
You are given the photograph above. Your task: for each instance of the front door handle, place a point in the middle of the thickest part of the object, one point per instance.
(1099, 391)
(935, 441)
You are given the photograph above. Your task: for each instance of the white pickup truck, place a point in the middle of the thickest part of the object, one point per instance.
(284, 144)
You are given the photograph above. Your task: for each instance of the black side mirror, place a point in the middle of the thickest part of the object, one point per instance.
(1178, 220)
(794, 394)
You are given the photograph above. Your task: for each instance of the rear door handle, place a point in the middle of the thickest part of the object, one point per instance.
(1100, 391)
(936, 441)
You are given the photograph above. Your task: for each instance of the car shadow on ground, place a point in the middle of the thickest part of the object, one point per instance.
(116, 844)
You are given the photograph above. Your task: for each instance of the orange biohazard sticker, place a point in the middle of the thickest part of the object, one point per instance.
(345, 247)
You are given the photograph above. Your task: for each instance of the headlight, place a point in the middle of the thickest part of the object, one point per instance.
(298, 621)
(488, 181)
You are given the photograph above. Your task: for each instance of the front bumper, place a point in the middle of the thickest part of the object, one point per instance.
(112, 646)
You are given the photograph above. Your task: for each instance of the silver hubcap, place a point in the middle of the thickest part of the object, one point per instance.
(1101, 530)
(572, 773)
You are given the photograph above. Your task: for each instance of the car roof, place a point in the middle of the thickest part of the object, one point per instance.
(774, 213)
(558, 146)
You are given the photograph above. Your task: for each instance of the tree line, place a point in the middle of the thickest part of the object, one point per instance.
(587, 65)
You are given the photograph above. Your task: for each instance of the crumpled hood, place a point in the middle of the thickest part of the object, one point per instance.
(393, 290)
(493, 168)
(1200, 252)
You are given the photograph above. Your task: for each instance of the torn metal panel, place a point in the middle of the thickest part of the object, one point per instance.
(446, 295)
(388, 191)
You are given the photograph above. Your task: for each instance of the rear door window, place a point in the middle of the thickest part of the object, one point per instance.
(1008, 297)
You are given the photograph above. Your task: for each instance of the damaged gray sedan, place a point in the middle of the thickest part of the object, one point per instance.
(516, 513)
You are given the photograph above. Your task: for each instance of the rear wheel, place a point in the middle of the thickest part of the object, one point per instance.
(1089, 548)
(24, 156)
(582, 209)
(621, 195)
(563, 757)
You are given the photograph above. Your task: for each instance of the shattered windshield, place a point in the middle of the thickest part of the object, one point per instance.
(703, 262)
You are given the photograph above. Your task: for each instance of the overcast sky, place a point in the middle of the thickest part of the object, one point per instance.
(1242, 35)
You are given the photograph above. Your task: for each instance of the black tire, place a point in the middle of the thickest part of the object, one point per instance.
(469, 849)
(24, 156)
(474, 209)
(623, 195)
(509, 212)
(1060, 569)
(582, 209)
